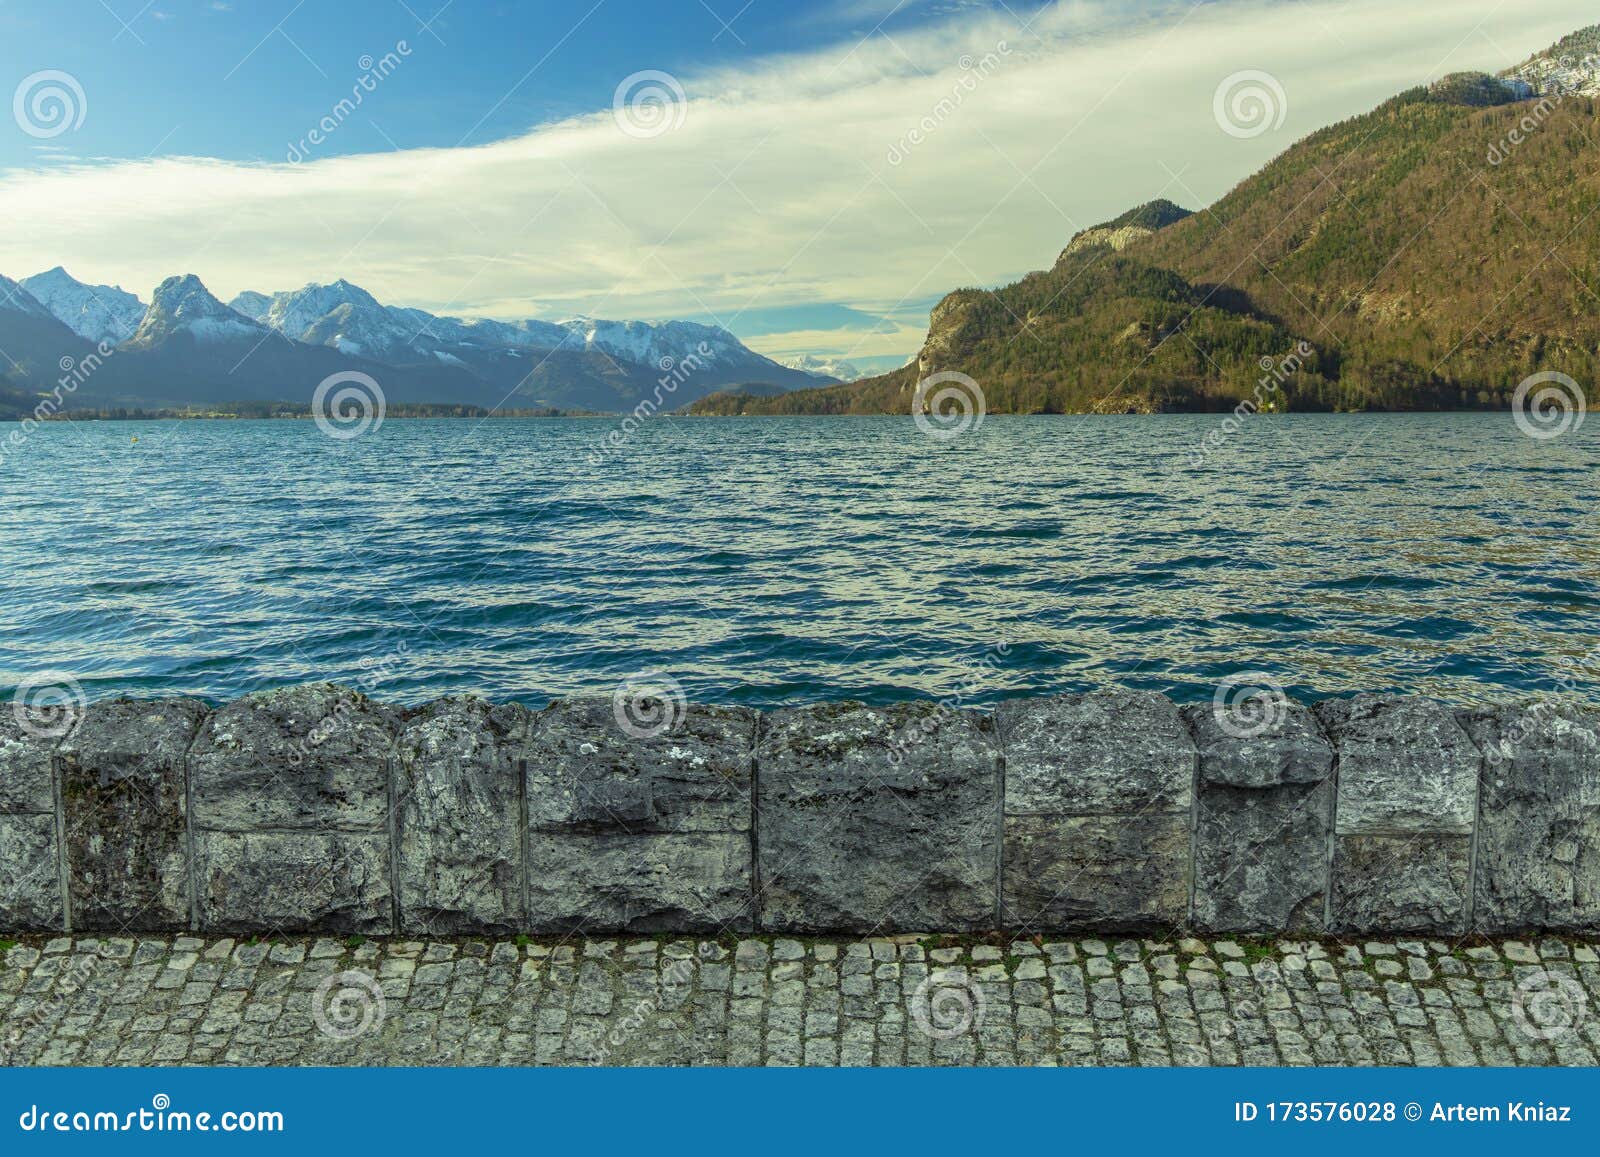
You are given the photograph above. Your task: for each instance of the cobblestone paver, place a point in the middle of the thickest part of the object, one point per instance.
(893, 1001)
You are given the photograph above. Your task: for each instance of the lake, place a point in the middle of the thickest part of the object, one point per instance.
(770, 561)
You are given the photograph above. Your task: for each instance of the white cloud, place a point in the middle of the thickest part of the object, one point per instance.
(777, 190)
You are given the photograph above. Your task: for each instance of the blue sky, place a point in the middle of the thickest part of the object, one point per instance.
(496, 168)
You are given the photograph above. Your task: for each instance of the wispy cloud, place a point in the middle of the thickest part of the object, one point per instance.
(778, 187)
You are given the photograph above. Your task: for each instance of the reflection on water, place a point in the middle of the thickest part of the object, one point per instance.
(778, 560)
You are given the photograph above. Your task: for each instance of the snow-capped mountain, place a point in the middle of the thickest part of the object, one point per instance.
(830, 369)
(1570, 68)
(182, 305)
(101, 313)
(350, 319)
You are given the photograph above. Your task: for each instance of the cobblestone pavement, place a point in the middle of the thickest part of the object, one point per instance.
(891, 1001)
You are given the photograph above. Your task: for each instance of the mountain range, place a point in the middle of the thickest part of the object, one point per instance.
(1432, 253)
(186, 348)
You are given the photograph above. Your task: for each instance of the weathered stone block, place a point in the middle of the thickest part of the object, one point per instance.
(1110, 752)
(1405, 765)
(1395, 884)
(30, 877)
(291, 812)
(1261, 821)
(314, 757)
(1123, 873)
(1538, 862)
(639, 833)
(878, 818)
(294, 881)
(25, 783)
(458, 781)
(1098, 793)
(1407, 803)
(123, 789)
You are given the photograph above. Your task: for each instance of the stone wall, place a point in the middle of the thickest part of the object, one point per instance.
(314, 809)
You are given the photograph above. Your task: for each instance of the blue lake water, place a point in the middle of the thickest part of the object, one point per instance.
(768, 561)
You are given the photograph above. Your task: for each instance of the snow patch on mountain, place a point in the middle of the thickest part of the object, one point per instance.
(15, 299)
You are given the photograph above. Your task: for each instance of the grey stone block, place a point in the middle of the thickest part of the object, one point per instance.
(30, 876)
(1110, 752)
(1406, 807)
(634, 833)
(458, 782)
(123, 788)
(878, 818)
(1395, 884)
(294, 881)
(1538, 862)
(1261, 821)
(1099, 790)
(1121, 873)
(314, 757)
(25, 784)
(1405, 766)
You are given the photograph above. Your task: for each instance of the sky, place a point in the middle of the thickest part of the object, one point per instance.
(812, 176)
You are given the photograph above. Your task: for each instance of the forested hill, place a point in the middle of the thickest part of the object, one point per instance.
(1431, 253)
